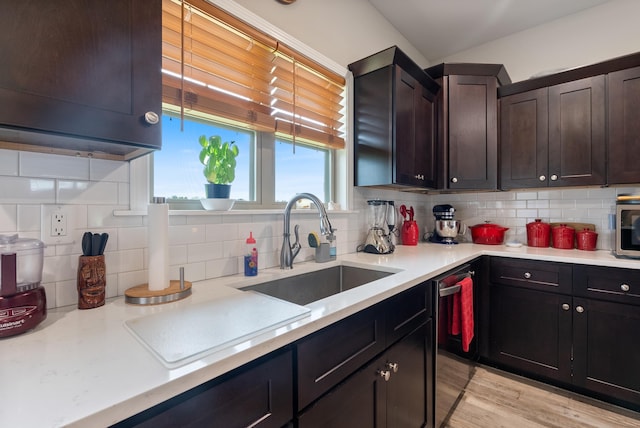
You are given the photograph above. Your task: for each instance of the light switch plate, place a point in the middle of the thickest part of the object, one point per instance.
(57, 224)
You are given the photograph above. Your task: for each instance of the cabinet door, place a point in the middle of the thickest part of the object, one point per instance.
(83, 70)
(577, 132)
(606, 349)
(369, 400)
(524, 139)
(473, 132)
(410, 388)
(531, 332)
(414, 151)
(258, 395)
(624, 127)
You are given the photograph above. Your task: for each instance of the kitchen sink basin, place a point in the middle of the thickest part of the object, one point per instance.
(310, 287)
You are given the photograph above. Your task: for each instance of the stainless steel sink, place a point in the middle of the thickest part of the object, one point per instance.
(310, 287)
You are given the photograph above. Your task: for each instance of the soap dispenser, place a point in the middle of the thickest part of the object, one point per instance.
(251, 257)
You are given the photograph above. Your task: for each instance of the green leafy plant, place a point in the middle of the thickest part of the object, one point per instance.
(219, 159)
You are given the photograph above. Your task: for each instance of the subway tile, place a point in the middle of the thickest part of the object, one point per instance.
(123, 193)
(24, 190)
(66, 293)
(221, 232)
(102, 216)
(526, 195)
(125, 261)
(9, 218)
(132, 238)
(108, 170)
(126, 280)
(9, 162)
(537, 204)
(204, 251)
(187, 234)
(86, 192)
(526, 213)
(46, 165)
(178, 255)
(28, 218)
(562, 203)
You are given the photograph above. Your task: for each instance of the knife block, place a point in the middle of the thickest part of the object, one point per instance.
(92, 281)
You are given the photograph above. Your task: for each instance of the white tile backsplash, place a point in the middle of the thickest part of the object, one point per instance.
(44, 165)
(8, 162)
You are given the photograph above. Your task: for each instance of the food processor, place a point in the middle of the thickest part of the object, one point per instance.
(382, 222)
(23, 302)
(446, 228)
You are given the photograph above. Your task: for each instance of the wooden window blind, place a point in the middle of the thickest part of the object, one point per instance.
(217, 64)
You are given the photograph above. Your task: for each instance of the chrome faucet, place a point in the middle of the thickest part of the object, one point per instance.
(289, 252)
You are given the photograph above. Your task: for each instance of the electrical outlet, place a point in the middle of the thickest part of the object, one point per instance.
(56, 224)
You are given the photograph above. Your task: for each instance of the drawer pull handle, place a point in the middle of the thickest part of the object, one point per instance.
(565, 306)
(625, 287)
(579, 309)
(393, 366)
(527, 275)
(385, 374)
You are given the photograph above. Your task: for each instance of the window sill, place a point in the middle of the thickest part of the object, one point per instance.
(126, 213)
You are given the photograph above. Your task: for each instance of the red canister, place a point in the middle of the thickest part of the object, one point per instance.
(410, 232)
(538, 233)
(586, 240)
(563, 236)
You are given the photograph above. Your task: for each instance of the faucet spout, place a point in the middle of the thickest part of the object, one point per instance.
(289, 252)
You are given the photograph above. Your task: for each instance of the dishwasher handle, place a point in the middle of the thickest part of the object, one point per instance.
(448, 291)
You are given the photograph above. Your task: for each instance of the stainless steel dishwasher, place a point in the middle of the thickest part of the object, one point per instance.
(454, 367)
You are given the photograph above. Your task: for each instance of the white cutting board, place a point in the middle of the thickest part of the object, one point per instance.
(188, 333)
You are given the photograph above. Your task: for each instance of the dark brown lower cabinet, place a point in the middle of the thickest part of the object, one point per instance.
(259, 394)
(586, 341)
(531, 332)
(392, 391)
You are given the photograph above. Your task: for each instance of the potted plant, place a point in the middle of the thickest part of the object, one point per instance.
(219, 160)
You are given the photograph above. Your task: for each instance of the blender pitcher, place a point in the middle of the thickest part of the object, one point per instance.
(381, 219)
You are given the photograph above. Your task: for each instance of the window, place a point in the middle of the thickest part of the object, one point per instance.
(224, 77)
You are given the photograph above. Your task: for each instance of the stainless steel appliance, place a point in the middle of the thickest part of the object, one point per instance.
(454, 367)
(446, 227)
(627, 226)
(382, 222)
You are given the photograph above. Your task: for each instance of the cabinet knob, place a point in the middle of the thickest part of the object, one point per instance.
(579, 309)
(454, 180)
(554, 177)
(393, 366)
(542, 178)
(527, 275)
(625, 287)
(384, 374)
(565, 306)
(151, 118)
(419, 177)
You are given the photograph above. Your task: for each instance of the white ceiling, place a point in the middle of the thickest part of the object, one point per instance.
(439, 28)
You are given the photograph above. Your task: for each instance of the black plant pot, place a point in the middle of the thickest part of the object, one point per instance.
(220, 191)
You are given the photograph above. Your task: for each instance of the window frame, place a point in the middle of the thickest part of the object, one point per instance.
(340, 180)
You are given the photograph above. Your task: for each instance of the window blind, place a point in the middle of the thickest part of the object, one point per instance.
(215, 63)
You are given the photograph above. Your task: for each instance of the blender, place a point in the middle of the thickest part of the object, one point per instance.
(446, 228)
(382, 222)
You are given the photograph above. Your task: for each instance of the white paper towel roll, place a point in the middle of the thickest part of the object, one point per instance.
(158, 233)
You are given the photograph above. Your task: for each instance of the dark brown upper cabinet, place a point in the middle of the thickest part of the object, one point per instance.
(624, 126)
(81, 78)
(467, 124)
(554, 136)
(394, 122)
(573, 128)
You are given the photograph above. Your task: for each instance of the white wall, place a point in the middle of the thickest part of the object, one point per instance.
(343, 30)
(597, 34)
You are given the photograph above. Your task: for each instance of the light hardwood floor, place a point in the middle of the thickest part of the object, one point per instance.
(495, 399)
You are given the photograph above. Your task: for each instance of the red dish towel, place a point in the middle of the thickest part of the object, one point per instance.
(462, 311)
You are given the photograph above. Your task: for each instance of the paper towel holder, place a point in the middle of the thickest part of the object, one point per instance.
(141, 295)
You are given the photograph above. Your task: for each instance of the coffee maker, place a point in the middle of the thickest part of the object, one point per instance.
(446, 227)
(382, 223)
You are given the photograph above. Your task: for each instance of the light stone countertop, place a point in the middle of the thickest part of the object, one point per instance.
(85, 368)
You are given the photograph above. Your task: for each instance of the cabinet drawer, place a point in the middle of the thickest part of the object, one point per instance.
(605, 283)
(327, 357)
(538, 275)
(409, 310)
